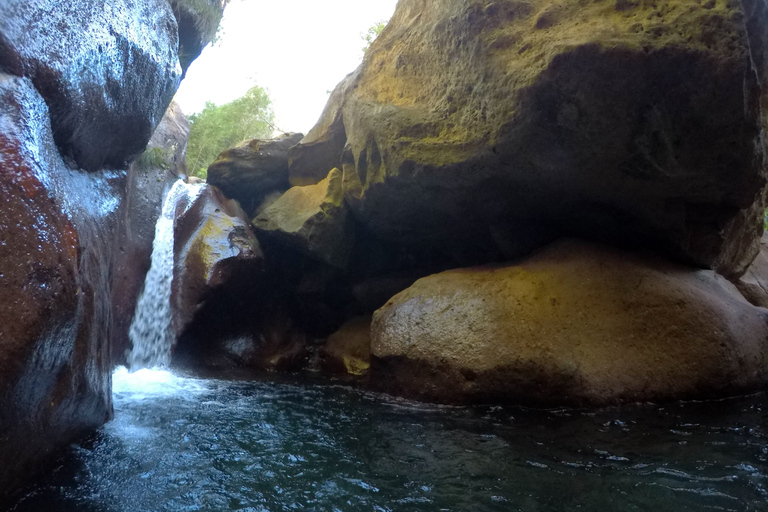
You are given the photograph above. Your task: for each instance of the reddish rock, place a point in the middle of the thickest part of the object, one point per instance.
(56, 233)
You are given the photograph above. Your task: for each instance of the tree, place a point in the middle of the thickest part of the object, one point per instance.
(219, 127)
(372, 33)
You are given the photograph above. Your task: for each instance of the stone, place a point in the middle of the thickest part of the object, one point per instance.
(253, 169)
(312, 220)
(57, 232)
(575, 324)
(348, 350)
(753, 285)
(321, 149)
(107, 71)
(476, 126)
(276, 345)
(149, 179)
(214, 247)
(198, 24)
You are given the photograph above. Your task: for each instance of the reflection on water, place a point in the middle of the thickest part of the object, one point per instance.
(183, 444)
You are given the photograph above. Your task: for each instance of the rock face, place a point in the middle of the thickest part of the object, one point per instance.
(148, 178)
(213, 246)
(250, 171)
(82, 87)
(348, 350)
(575, 324)
(753, 285)
(311, 219)
(107, 71)
(56, 232)
(198, 23)
(498, 126)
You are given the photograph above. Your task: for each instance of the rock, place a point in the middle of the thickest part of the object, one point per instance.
(57, 232)
(198, 23)
(348, 350)
(753, 285)
(107, 71)
(277, 345)
(311, 219)
(320, 151)
(213, 247)
(371, 294)
(149, 178)
(638, 124)
(250, 171)
(574, 324)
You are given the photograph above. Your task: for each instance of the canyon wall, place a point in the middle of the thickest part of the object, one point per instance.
(82, 87)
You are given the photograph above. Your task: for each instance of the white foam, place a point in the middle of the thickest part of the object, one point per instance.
(150, 330)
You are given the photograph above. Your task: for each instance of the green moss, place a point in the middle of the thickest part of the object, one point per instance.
(155, 158)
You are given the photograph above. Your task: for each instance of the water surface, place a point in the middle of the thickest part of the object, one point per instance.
(185, 444)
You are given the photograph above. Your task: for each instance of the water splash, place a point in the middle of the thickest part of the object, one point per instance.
(150, 331)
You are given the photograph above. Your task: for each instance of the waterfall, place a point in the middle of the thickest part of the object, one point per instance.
(150, 330)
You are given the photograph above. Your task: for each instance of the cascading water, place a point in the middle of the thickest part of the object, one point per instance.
(150, 331)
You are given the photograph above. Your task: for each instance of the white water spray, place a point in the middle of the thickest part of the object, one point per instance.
(150, 331)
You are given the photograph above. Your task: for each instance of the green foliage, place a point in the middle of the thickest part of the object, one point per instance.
(765, 220)
(154, 158)
(219, 127)
(372, 33)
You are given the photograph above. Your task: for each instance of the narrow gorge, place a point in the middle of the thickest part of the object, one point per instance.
(518, 263)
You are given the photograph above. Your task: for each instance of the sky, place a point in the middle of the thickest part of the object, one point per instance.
(296, 49)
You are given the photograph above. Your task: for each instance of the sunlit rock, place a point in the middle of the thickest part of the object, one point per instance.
(253, 169)
(311, 219)
(574, 324)
(477, 126)
(214, 247)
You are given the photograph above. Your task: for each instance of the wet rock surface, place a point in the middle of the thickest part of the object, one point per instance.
(107, 71)
(575, 324)
(56, 235)
(213, 246)
(470, 125)
(311, 219)
(252, 170)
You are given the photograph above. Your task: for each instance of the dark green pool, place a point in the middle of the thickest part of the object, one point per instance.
(182, 444)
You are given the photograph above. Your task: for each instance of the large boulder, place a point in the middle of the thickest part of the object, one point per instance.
(149, 177)
(251, 170)
(214, 247)
(575, 324)
(57, 232)
(311, 219)
(107, 70)
(498, 126)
